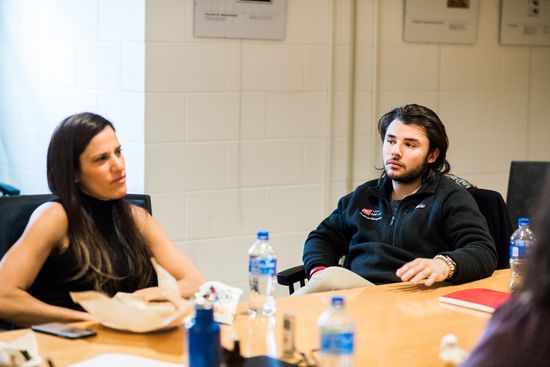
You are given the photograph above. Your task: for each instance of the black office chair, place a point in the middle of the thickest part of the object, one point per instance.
(16, 211)
(492, 206)
(524, 187)
(494, 209)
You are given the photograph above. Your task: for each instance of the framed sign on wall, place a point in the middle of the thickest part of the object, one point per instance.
(441, 21)
(254, 19)
(525, 22)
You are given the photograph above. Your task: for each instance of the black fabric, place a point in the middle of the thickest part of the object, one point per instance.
(526, 180)
(440, 218)
(52, 284)
(15, 212)
(518, 334)
(492, 206)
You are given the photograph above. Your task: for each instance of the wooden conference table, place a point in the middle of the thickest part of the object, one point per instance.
(397, 325)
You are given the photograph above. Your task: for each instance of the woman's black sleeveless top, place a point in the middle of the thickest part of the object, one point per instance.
(53, 284)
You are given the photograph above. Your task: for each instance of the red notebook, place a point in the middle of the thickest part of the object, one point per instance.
(477, 298)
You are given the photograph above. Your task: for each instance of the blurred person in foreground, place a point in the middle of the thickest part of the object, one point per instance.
(518, 333)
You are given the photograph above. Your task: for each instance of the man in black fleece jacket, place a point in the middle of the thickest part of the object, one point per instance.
(413, 223)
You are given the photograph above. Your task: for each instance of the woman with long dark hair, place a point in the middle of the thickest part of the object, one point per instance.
(89, 238)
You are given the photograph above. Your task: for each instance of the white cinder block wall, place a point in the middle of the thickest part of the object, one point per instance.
(232, 136)
(59, 57)
(236, 135)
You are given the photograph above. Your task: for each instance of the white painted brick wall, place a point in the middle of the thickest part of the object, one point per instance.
(226, 213)
(59, 57)
(410, 67)
(213, 117)
(112, 26)
(179, 67)
(272, 67)
(179, 167)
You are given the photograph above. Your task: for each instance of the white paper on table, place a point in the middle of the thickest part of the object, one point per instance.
(223, 298)
(119, 359)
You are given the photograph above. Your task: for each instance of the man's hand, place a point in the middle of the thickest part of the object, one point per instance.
(427, 271)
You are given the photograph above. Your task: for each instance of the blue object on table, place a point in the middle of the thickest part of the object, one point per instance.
(203, 340)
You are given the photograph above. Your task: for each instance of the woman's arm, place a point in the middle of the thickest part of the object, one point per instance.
(167, 255)
(46, 230)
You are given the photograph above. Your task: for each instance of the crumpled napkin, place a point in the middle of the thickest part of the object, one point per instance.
(11, 356)
(126, 311)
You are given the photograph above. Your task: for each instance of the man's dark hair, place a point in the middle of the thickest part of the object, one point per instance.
(413, 114)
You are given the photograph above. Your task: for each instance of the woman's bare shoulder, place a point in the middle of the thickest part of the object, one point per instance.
(140, 215)
(51, 221)
(51, 211)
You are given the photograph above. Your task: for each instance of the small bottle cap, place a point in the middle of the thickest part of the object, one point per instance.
(523, 222)
(263, 235)
(337, 301)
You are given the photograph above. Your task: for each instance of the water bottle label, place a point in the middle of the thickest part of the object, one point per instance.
(337, 343)
(262, 266)
(520, 248)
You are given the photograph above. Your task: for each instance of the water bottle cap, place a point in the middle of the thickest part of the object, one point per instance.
(523, 222)
(337, 301)
(263, 235)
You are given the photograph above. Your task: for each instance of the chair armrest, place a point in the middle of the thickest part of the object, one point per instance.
(6, 189)
(291, 275)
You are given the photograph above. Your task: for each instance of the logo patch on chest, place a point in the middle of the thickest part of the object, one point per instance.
(371, 214)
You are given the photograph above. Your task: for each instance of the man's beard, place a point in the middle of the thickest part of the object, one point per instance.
(410, 176)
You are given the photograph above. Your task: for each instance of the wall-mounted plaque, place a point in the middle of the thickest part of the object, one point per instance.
(441, 21)
(525, 22)
(256, 19)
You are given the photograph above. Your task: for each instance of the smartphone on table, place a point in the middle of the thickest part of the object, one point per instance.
(63, 330)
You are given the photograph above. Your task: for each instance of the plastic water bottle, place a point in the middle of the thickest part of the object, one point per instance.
(262, 269)
(337, 330)
(203, 339)
(521, 243)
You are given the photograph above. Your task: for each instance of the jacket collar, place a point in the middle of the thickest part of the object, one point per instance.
(427, 188)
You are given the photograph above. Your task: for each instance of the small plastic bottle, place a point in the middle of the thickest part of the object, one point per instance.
(337, 332)
(203, 339)
(521, 244)
(262, 271)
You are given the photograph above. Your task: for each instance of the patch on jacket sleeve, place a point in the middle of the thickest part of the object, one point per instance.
(371, 214)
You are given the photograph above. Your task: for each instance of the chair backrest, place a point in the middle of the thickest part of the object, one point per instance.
(16, 211)
(524, 187)
(492, 206)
